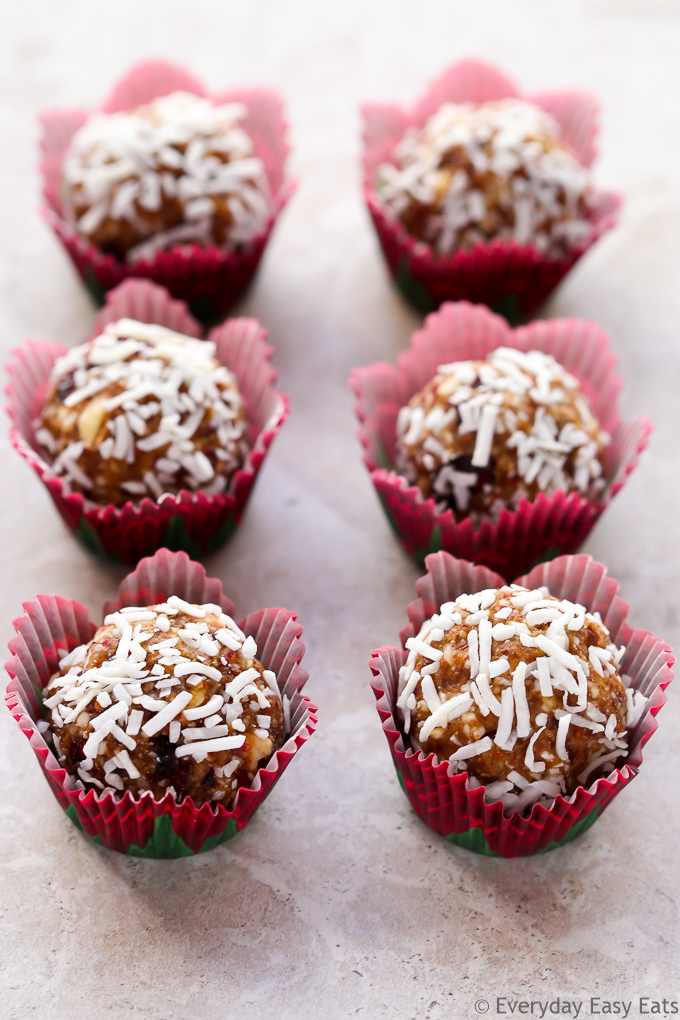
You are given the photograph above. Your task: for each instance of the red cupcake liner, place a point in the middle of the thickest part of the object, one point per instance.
(537, 529)
(445, 801)
(141, 825)
(193, 521)
(209, 279)
(511, 278)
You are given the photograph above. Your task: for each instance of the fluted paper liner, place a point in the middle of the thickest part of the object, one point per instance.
(537, 529)
(445, 801)
(208, 278)
(140, 824)
(194, 521)
(509, 277)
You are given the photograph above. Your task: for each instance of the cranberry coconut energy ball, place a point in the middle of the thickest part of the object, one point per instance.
(165, 698)
(482, 435)
(142, 411)
(178, 170)
(519, 689)
(491, 170)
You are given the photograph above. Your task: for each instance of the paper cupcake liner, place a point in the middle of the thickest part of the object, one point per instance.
(193, 521)
(537, 529)
(141, 825)
(444, 801)
(209, 279)
(511, 278)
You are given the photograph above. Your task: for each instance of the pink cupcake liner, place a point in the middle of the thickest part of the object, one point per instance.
(536, 529)
(193, 521)
(511, 278)
(209, 279)
(142, 825)
(446, 802)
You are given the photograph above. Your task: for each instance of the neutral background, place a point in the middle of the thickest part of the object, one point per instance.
(337, 901)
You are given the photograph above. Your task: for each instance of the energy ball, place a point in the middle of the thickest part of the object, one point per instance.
(520, 690)
(499, 169)
(164, 698)
(176, 171)
(482, 435)
(142, 411)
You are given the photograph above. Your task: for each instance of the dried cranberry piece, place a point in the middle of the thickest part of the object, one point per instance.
(65, 386)
(168, 763)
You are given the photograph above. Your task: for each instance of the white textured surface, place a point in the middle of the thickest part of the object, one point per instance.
(336, 900)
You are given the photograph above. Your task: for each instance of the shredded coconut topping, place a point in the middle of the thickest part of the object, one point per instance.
(541, 716)
(517, 417)
(492, 170)
(155, 402)
(180, 153)
(138, 701)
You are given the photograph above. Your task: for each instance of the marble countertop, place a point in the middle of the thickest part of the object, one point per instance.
(337, 901)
